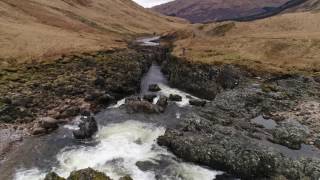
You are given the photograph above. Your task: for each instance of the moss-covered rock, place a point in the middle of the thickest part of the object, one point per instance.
(53, 176)
(87, 174)
(126, 178)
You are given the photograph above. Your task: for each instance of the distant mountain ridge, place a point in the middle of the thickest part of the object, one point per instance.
(203, 11)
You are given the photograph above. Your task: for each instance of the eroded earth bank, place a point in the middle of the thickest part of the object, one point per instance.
(248, 124)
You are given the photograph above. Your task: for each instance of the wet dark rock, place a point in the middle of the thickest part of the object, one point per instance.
(69, 112)
(290, 135)
(87, 128)
(317, 78)
(91, 96)
(49, 123)
(228, 77)
(203, 80)
(154, 88)
(6, 100)
(224, 177)
(163, 101)
(317, 142)
(105, 99)
(100, 81)
(38, 131)
(175, 97)
(149, 97)
(197, 102)
(145, 165)
(138, 106)
(87, 174)
(53, 176)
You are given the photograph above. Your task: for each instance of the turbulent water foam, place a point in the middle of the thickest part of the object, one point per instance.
(166, 91)
(120, 147)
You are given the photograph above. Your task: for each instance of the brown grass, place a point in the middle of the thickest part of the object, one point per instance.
(31, 29)
(286, 43)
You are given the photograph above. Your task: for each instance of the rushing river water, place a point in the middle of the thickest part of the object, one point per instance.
(124, 145)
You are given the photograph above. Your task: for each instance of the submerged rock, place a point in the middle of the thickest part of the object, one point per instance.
(149, 97)
(175, 97)
(87, 127)
(154, 88)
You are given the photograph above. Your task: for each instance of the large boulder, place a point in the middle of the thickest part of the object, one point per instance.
(290, 134)
(49, 123)
(154, 88)
(175, 97)
(162, 101)
(138, 106)
(87, 127)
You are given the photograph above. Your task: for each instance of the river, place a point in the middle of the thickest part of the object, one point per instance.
(124, 145)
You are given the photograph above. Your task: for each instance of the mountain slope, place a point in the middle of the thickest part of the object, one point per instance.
(285, 43)
(217, 10)
(41, 28)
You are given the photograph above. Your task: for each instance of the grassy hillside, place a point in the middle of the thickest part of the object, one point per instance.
(216, 10)
(289, 42)
(30, 29)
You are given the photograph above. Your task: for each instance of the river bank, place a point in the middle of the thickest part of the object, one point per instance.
(257, 126)
(63, 88)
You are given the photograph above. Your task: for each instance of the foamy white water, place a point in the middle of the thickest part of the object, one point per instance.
(166, 91)
(120, 147)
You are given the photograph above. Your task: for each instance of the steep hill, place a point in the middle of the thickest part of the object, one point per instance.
(217, 10)
(42, 28)
(309, 5)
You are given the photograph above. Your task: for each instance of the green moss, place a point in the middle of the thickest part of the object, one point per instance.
(88, 174)
(53, 176)
(269, 88)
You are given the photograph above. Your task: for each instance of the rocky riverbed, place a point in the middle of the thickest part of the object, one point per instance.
(254, 127)
(248, 126)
